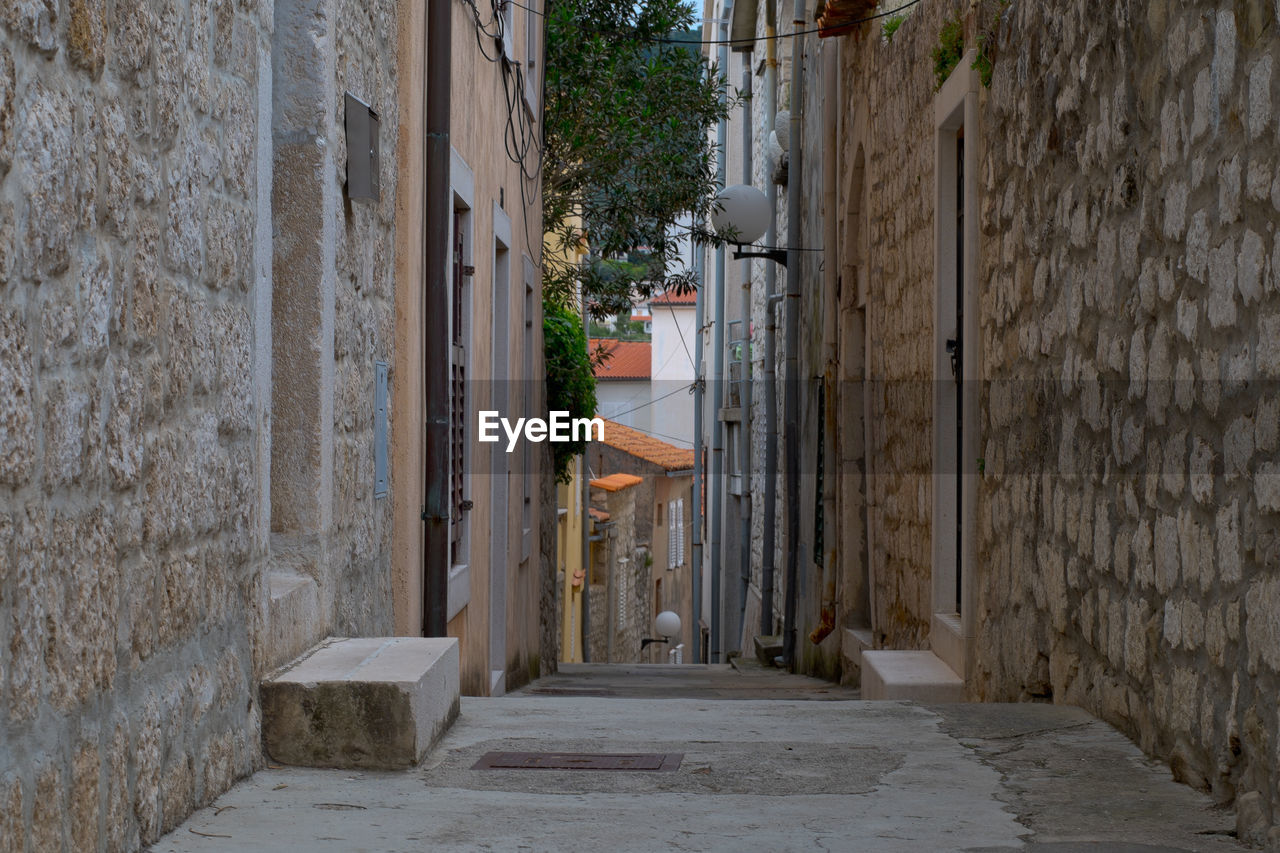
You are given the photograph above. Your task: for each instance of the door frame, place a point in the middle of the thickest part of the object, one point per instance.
(952, 634)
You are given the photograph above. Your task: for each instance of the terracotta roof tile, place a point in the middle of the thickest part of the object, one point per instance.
(616, 482)
(646, 447)
(690, 298)
(627, 359)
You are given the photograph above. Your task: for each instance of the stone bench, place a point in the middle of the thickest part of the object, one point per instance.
(375, 703)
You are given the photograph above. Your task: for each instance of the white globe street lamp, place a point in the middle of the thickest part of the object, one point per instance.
(667, 624)
(740, 214)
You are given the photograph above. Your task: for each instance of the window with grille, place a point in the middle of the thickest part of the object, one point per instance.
(458, 390)
(675, 533)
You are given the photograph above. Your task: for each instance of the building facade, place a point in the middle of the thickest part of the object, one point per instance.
(1036, 418)
(211, 280)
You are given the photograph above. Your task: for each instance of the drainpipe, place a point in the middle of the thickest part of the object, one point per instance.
(770, 471)
(744, 452)
(717, 425)
(610, 590)
(699, 263)
(435, 330)
(791, 400)
(586, 521)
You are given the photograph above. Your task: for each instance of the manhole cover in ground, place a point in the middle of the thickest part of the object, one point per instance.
(654, 761)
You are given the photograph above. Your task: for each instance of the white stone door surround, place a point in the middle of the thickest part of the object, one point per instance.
(956, 246)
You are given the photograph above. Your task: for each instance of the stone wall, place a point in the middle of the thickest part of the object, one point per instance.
(615, 632)
(131, 528)
(887, 110)
(364, 327)
(1129, 317)
(136, 399)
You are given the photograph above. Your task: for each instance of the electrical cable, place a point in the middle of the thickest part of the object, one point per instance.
(755, 39)
(651, 402)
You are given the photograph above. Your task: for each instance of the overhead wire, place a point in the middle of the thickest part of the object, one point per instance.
(793, 33)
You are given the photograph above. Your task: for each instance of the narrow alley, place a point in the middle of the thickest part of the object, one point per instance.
(416, 416)
(764, 766)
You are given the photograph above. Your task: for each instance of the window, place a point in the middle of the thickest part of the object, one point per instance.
(675, 533)
(508, 11)
(532, 73)
(459, 308)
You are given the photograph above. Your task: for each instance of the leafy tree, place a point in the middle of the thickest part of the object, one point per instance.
(626, 150)
(571, 383)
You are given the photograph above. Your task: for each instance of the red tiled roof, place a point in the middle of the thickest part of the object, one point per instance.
(597, 514)
(627, 359)
(646, 447)
(690, 298)
(616, 482)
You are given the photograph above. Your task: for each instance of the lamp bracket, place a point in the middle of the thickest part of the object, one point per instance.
(778, 256)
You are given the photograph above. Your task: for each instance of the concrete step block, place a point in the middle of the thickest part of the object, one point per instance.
(853, 643)
(920, 676)
(293, 614)
(375, 703)
(768, 647)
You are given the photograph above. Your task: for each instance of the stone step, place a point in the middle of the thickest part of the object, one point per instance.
(293, 612)
(920, 676)
(375, 702)
(854, 643)
(768, 647)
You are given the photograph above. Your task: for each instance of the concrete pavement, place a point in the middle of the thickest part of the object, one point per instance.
(767, 774)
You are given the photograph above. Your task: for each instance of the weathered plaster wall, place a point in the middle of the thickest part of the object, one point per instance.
(1130, 191)
(132, 527)
(478, 134)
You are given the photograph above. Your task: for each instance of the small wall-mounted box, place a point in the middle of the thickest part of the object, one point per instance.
(362, 150)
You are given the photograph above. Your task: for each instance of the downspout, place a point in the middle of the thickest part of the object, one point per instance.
(610, 590)
(744, 374)
(717, 425)
(435, 327)
(770, 472)
(586, 521)
(831, 314)
(699, 264)
(791, 392)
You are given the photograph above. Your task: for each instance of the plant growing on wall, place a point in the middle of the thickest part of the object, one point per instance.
(626, 151)
(890, 26)
(950, 46)
(948, 50)
(571, 383)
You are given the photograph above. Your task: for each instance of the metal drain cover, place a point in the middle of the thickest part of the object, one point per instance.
(652, 761)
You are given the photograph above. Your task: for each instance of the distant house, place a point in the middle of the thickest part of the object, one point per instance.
(674, 339)
(641, 314)
(622, 382)
(658, 571)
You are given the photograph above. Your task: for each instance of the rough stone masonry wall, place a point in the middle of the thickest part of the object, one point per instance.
(888, 91)
(130, 526)
(364, 328)
(1130, 319)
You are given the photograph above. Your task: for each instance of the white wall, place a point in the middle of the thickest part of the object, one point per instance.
(672, 371)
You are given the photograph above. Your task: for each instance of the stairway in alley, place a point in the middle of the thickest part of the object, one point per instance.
(743, 679)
